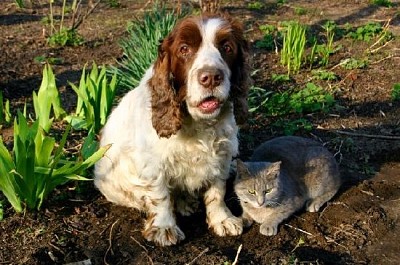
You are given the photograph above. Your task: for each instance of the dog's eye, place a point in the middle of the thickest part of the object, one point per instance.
(227, 48)
(184, 50)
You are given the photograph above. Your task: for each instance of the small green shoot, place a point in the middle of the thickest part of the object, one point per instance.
(255, 94)
(324, 75)
(65, 37)
(95, 98)
(5, 114)
(385, 3)
(20, 3)
(294, 40)
(290, 127)
(256, 5)
(352, 63)
(47, 99)
(396, 92)
(300, 11)
(280, 78)
(50, 60)
(271, 37)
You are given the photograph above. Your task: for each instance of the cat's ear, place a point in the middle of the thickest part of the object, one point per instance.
(242, 171)
(274, 168)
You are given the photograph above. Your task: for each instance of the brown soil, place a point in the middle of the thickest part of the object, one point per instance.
(359, 226)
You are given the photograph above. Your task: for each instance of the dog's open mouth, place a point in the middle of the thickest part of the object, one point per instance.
(209, 105)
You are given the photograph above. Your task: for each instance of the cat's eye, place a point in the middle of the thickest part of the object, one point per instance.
(252, 192)
(267, 191)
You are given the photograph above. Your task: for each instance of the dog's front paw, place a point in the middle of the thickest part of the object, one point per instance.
(231, 226)
(164, 236)
(268, 229)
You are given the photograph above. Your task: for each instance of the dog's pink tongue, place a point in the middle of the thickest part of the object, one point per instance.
(209, 105)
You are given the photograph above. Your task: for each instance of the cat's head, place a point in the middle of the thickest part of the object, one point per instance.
(257, 183)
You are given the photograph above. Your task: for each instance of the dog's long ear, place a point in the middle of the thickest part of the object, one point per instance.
(166, 108)
(240, 74)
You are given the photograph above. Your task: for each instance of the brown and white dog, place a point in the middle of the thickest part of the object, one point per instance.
(176, 132)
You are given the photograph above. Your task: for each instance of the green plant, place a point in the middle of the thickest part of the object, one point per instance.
(352, 63)
(300, 11)
(95, 98)
(20, 3)
(41, 59)
(140, 47)
(36, 166)
(324, 75)
(113, 3)
(310, 99)
(366, 32)
(294, 40)
(280, 78)
(270, 38)
(5, 114)
(255, 95)
(257, 5)
(65, 37)
(385, 3)
(61, 35)
(396, 92)
(47, 99)
(290, 127)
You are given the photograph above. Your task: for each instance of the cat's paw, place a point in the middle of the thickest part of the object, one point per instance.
(164, 236)
(187, 206)
(268, 230)
(231, 226)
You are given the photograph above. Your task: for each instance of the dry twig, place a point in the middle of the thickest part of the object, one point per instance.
(198, 256)
(109, 243)
(146, 252)
(237, 255)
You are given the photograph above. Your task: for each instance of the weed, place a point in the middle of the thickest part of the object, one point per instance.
(366, 32)
(385, 3)
(271, 36)
(310, 99)
(255, 95)
(294, 40)
(300, 11)
(257, 5)
(290, 127)
(65, 37)
(280, 78)
(95, 97)
(20, 3)
(113, 3)
(396, 92)
(47, 99)
(50, 60)
(352, 63)
(324, 75)
(140, 48)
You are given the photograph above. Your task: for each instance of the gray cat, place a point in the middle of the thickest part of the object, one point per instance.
(283, 175)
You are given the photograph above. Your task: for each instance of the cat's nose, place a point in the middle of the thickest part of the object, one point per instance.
(260, 201)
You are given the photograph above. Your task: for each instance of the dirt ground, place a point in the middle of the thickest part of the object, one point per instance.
(361, 225)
